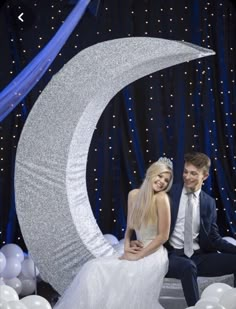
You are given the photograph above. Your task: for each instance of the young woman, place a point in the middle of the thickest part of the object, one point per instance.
(133, 280)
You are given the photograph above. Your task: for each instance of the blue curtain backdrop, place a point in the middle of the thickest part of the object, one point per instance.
(188, 107)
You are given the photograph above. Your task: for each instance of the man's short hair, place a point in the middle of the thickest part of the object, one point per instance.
(199, 160)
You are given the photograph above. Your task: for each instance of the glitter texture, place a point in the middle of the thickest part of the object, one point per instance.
(52, 203)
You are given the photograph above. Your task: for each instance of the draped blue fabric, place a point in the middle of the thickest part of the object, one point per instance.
(14, 93)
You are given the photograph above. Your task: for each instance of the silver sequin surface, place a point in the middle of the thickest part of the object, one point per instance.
(50, 175)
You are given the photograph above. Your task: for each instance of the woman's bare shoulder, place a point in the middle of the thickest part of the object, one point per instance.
(133, 193)
(161, 196)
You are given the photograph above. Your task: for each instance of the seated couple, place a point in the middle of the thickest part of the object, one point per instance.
(177, 237)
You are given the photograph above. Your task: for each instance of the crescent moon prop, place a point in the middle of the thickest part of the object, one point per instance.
(52, 203)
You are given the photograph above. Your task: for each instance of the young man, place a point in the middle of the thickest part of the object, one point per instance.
(193, 213)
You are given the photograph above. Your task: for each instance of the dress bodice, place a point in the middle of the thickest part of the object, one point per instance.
(147, 233)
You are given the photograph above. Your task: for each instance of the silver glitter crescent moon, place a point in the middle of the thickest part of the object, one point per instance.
(52, 203)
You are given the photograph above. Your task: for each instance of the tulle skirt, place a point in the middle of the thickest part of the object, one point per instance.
(110, 283)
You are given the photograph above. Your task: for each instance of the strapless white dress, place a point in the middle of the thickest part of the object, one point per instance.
(110, 283)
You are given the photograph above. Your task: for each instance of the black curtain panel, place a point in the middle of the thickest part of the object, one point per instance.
(188, 107)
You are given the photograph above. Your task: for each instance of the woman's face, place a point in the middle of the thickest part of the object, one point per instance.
(161, 181)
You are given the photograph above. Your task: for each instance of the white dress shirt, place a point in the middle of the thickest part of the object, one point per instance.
(177, 237)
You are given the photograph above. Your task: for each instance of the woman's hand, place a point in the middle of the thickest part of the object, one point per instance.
(132, 250)
(134, 246)
(131, 256)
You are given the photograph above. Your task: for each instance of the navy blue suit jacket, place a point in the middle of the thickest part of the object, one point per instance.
(209, 237)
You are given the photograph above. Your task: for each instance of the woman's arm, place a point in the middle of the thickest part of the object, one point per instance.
(163, 211)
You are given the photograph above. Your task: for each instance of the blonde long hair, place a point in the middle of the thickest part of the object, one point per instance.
(144, 207)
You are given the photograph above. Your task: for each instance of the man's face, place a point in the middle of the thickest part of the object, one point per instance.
(193, 177)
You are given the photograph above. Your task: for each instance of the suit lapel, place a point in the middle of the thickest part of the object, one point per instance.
(204, 222)
(202, 203)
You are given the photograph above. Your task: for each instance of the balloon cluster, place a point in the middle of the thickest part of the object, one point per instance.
(18, 278)
(217, 296)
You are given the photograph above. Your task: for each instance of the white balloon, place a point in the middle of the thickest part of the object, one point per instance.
(210, 298)
(28, 269)
(111, 239)
(2, 261)
(4, 304)
(122, 241)
(36, 302)
(208, 304)
(13, 251)
(16, 305)
(15, 283)
(12, 268)
(7, 293)
(28, 287)
(119, 248)
(215, 290)
(228, 299)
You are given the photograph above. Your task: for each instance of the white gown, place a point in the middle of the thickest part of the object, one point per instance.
(110, 283)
